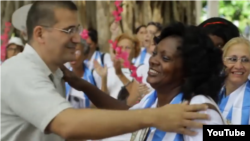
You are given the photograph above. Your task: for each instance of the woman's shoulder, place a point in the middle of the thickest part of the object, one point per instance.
(213, 109)
(199, 99)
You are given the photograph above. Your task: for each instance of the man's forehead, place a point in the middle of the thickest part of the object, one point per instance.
(66, 17)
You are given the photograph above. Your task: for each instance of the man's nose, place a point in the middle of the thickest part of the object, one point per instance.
(76, 38)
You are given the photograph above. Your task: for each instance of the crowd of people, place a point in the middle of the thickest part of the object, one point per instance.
(59, 86)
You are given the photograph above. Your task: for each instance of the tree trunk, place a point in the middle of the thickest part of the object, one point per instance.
(98, 15)
(127, 17)
(102, 15)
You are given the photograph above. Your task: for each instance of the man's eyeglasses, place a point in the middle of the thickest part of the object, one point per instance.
(71, 31)
(233, 60)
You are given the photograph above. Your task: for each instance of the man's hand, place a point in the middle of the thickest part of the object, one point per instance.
(178, 118)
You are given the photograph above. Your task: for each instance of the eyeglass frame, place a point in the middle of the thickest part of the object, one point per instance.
(238, 59)
(66, 31)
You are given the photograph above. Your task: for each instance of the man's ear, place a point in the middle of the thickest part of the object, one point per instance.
(38, 34)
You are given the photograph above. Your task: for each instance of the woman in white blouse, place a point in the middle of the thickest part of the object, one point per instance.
(153, 29)
(184, 66)
(235, 95)
(77, 98)
(114, 78)
(95, 53)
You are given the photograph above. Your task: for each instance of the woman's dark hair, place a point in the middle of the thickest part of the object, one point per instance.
(93, 36)
(138, 28)
(202, 61)
(123, 94)
(220, 27)
(156, 24)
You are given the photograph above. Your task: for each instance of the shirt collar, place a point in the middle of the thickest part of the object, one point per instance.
(35, 58)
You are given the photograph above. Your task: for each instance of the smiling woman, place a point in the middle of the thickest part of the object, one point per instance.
(185, 66)
(235, 95)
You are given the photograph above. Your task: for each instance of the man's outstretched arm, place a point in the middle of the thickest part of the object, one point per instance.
(97, 124)
(97, 97)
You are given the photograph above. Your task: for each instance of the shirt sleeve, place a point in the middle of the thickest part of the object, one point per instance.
(214, 115)
(34, 98)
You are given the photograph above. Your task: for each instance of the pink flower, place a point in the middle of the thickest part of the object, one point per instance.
(134, 74)
(4, 37)
(6, 30)
(113, 44)
(85, 34)
(8, 24)
(133, 68)
(124, 55)
(126, 64)
(115, 13)
(119, 10)
(118, 3)
(118, 50)
(118, 18)
(139, 79)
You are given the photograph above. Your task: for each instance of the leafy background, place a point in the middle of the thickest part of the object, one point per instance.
(233, 10)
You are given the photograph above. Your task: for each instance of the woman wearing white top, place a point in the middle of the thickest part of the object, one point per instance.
(184, 66)
(77, 98)
(153, 29)
(235, 95)
(95, 53)
(114, 78)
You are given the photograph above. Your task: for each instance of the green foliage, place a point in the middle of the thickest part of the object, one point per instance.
(234, 10)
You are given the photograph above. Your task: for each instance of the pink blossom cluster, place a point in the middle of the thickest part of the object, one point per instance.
(118, 11)
(5, 40)
(124, 56)
(85, 34)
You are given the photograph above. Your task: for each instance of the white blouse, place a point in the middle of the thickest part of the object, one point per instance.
(114, 84)
(137, 61)
(97, 56)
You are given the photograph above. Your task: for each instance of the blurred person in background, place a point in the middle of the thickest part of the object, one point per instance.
(95, 54)
(117, 77)
(140, 33)
(219, 30)
(153, 30)
(235, 94)
(14, 46)
(247, 31)
(77, 98)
